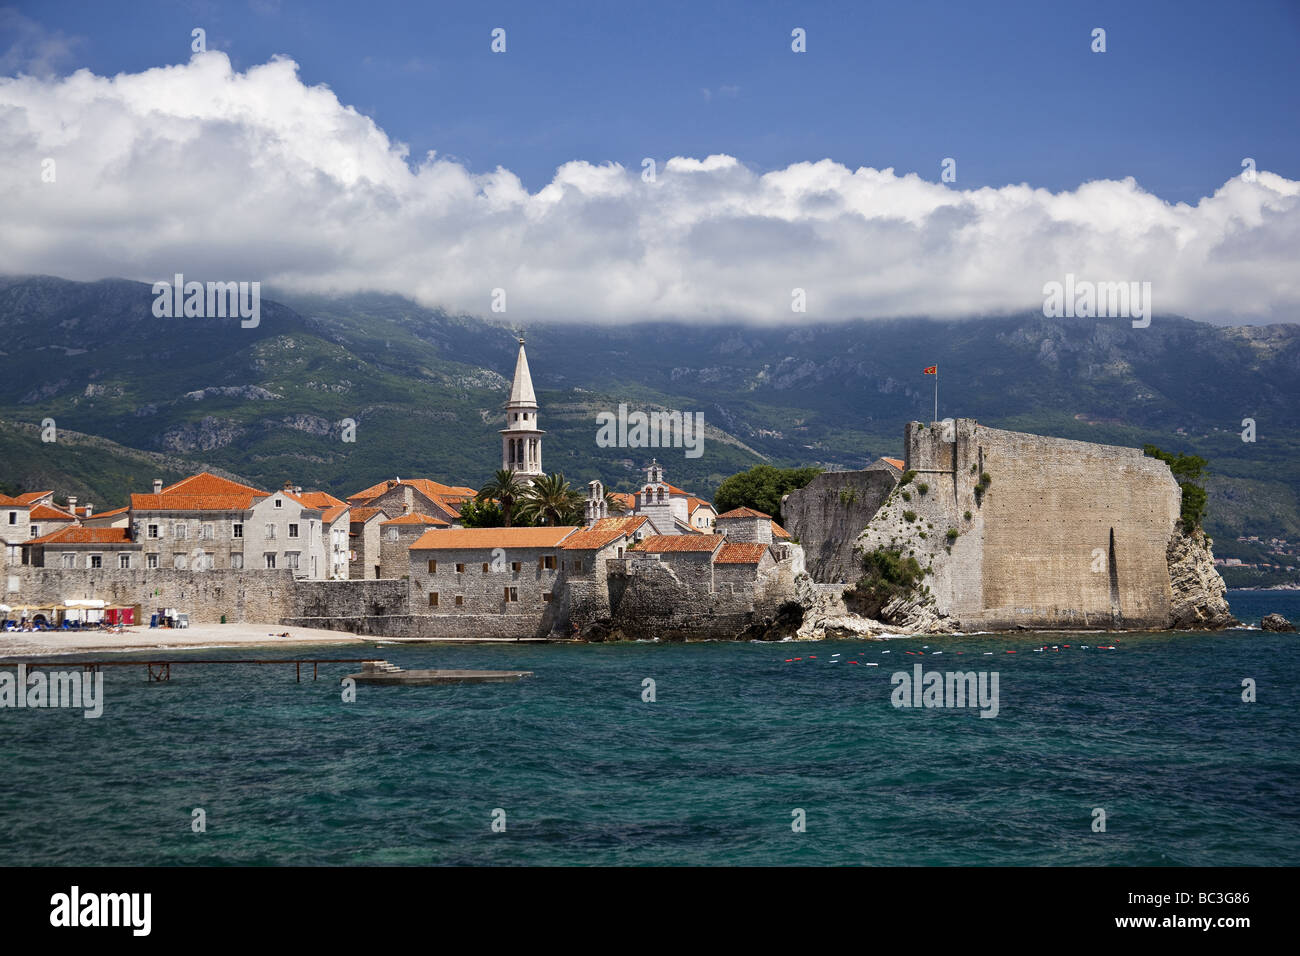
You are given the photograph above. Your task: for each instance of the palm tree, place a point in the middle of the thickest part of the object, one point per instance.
(614, 505)
(552, 501)
(506, 490)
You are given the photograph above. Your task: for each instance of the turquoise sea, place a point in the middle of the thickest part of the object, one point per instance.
(1155, 733)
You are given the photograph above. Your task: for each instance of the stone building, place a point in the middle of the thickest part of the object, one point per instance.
(396, 535)
(507, 573)
(81, 547)
(365, 558)
(396, 497)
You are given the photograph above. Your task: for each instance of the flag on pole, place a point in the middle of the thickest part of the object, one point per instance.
(932, 370)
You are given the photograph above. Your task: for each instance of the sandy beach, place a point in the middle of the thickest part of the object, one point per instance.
(52, 643)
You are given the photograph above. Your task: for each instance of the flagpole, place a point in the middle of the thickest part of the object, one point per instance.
(936, 393)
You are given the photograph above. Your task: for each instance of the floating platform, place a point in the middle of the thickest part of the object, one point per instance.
(382, 672)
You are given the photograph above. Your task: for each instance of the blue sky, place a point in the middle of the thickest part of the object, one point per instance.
(1011, 89)
(295, 151)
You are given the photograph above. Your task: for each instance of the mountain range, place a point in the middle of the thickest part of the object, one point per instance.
(133, 397)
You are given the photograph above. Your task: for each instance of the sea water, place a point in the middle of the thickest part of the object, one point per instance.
(576, 766)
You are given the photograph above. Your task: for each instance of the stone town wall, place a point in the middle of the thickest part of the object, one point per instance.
(1062, 533)
(827, 515)
(242, 596)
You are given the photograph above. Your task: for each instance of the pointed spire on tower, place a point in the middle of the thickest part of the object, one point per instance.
(521, 391)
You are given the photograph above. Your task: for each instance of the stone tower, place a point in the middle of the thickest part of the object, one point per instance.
(521, 439)
(597, 508)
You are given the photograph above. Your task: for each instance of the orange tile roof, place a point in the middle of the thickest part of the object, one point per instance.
(166, 502)
(482, 538)
(85, 536)
(45, 512)
(430, 489)
(105, 514)
(779, 532)
(319, 499)
(206, 483)
(30, 497)
(693, 504)
(660, 543)
(740, 553)
(628, 500)
(896, 462)
(744, 513)
(330, 515)
(362, 515)
(415, 518)
(603, 532)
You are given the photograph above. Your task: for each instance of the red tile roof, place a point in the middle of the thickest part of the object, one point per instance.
(896, 462)
(175, 502)
(779, 532)
(415, 519)
(604, 532)
(660, 543)
(744, 513)
(740, 553)
(693, 504)
(45, 512)
(206, 483)
(319, 499)
(31, 497)
(430, 489)
(627, 500)
(85, 536)
(330, 515)
(361, 515)
(482, 538)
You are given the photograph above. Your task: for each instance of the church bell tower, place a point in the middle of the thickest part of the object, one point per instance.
(521, 439)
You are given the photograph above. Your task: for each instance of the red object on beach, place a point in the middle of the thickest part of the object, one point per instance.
(1010, 652)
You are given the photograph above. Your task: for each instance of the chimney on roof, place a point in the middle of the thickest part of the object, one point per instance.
(157, 486)
(72, 504)
(297, 489)
(393, 483)
(90, 509)
(288, 485)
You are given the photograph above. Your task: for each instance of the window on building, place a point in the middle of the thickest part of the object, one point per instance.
(151, 560)
(270, 531)
(237, 561)
(516, 565)
(291, 560)
(512, 595)
(485, 567)
(124, 561)
(293, 530)
(270, 562)
(36, 531)
(548, 562)
(13, 517)
(179, 531)
(546, 597)
(577, 564)
(279, 502)
(237, 529)
(392, 534)
(178, 562)
(208, 532)
(460, 569)
(433, 567)
(153, 531)
(96, 561)
(433, 599)
(69, 559)
(460, 599)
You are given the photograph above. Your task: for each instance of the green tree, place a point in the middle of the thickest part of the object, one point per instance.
(486, 515)
(551, 501)
(762, 488)
(506, 490)
(1189, 471)
(614, 505)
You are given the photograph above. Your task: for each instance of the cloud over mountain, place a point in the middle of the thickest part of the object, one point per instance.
(220, 174)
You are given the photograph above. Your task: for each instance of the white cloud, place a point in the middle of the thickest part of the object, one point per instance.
(217, 174)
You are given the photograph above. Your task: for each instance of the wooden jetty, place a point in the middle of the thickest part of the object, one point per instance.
(382, 672)
(157, 671)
